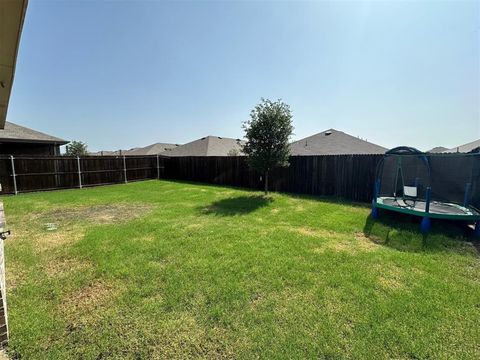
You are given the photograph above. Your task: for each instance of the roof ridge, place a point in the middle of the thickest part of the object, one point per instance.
(207, 150)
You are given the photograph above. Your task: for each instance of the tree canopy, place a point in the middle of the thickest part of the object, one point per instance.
(268, 133)
(76, 148)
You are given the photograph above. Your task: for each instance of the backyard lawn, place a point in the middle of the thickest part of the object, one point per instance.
(161, 269)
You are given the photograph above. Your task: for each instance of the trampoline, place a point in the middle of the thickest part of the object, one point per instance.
(432, 186)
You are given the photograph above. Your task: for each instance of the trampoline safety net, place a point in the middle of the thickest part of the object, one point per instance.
(452, 178)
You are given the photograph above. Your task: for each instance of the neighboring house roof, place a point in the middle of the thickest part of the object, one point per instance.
(153, 149)
(208, 146)
(334, 142)
(437, 150)
(465, 148)
(12, 15)
(16, 133)
(106, 153)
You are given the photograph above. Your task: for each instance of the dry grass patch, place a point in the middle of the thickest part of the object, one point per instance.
(354, 246)
(321, 233)
(99, 214)
(43, 240)
(364, 243)
(195, 226)
(184, 338)
(15, 275)
(390, 282)
(62, 267)
(54, 239)
(351, 243)
(87, 299)
(391, 277)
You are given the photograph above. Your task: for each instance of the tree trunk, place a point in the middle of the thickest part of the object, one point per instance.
(266, 182)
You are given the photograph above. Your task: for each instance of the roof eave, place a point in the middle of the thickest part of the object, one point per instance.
(12, 16)
(32, 141)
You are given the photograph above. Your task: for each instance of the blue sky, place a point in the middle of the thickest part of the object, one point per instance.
(130, 73)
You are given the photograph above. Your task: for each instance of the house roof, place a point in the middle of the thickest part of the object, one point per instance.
(465, 148)
(437, 150)
(152, 149)
(207, 146)
(16, 133)
(12, 15)
(106, 153)
(334, 142)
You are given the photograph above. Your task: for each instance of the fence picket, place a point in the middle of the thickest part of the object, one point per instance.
(347, 176)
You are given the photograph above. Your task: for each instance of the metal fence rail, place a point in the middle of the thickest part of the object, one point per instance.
(27, 173)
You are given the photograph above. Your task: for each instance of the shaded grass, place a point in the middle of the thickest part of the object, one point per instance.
(215, 272)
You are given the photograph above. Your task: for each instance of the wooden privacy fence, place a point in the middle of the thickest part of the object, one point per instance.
(348, 176)
(26, 173)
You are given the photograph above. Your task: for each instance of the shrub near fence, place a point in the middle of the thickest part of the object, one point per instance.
(348, 176)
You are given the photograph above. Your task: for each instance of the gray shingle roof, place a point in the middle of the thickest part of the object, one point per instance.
(16, 133)
(207, 146)
(106, 153)
(465, 148)
(334, 142)
(437, 150)
(152, 149)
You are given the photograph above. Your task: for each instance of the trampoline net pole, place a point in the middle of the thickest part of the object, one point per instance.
(427, 199)
(467, 193)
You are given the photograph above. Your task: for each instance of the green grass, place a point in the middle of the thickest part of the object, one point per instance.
(176, 270)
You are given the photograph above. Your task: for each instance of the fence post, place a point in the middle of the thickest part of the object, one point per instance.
(13, 174)
(158, 167)
(79, 173)
(124, 169)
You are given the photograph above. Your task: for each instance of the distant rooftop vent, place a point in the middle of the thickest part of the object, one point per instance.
(203, 138)
(219, 137)
(329, 132)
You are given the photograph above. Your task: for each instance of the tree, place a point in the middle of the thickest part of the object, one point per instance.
(76, 148)
(268, 133)
(233, 152)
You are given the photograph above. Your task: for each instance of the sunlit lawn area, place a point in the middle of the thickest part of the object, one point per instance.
(162, 269)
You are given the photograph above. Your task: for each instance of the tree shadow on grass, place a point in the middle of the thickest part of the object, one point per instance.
(240, 205)
(402, 232)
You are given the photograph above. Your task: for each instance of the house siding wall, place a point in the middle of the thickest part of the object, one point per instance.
(29, 149)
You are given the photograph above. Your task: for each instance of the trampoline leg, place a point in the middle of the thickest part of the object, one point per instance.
(425, 225)
(476, 232)
(375, 213)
